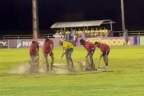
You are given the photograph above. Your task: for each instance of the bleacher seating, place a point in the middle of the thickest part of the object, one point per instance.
(88, 33)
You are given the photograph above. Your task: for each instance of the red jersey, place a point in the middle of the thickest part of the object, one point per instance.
(46, 48)
(103, 47)
(33, 49)
(89, 46)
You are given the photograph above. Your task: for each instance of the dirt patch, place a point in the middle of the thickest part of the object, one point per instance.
(26, 69)
(58, 69)
(23, 69)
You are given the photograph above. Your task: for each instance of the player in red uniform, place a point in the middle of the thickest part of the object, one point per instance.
(105, 49)
(90, 49)
(33, 50)
(47, 49)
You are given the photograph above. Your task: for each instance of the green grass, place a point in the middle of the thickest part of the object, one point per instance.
(127, 78)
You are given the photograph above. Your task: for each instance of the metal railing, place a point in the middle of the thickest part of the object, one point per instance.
(41, 36)
(131, 33)
(46, 35)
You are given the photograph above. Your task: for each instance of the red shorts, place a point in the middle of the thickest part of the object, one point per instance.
(46, 53)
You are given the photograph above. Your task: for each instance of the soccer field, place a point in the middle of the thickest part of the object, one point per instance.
(126, 77)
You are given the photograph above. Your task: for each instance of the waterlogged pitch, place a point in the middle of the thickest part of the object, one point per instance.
(125, 78)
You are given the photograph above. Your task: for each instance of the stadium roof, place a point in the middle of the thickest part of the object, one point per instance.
(81, 23)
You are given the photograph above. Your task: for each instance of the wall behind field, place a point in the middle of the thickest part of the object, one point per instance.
(25, 43)
(115, 40)
(141, 40)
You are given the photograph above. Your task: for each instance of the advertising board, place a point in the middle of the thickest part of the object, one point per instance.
(3, 43)
(25, 43)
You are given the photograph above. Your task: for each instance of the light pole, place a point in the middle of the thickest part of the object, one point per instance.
(122, 15)
(35, 19)
(35, 29)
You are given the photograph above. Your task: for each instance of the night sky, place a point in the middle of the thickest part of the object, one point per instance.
(17, 14)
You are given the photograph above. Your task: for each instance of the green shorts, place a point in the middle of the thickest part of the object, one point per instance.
(69, 51)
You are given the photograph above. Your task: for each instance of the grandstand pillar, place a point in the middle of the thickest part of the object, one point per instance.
(122, 15)
(111, 26)
(64, 34)
(8, 43)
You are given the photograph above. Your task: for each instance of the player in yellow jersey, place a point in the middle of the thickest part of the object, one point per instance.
(67, 35)
(105, 31)
(86, 33)
(67, 50)
(79, 33)
(92, 32)
(96, 32)
(89, 33)
(63, 33)
(100, 32)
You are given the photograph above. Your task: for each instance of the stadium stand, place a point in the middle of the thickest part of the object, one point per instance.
(87, 32)
(82, 29)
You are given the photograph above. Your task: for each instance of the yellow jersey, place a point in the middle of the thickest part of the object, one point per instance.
(100, 32)
(92, 31)
(79, 33)
(89, 32)
(67, 45)
(96, 31)
(105, 31)
(86, 31)
(67, 33)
